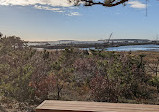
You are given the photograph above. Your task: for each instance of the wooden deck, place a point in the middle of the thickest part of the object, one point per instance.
(76, 106)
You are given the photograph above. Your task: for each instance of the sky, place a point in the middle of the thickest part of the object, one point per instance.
(51, 20)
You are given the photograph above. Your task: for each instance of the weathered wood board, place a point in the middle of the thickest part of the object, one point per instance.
(78, 106)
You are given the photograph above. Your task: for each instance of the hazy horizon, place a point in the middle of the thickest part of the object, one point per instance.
(77, 40)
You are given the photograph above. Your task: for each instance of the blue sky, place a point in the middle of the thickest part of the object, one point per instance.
(52, 20)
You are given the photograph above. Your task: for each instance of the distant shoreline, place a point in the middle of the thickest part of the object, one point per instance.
(96, 46)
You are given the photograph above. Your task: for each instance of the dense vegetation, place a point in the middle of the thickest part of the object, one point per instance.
(28, 75)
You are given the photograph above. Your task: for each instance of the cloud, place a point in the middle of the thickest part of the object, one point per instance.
(73, 14)
(51, 5)
(137, 4)
(63, 3)
(48, 8)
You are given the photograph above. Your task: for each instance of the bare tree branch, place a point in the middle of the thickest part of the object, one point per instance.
(106, 3)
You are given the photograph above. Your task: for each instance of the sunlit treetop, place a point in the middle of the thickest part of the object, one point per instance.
(106, 3)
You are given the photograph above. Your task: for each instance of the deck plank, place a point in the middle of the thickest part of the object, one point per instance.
(78, 106)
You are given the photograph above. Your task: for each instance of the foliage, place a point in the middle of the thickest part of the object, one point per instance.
(28, 75)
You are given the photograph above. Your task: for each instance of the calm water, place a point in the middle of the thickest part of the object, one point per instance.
(124, 48)
(135, 48)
